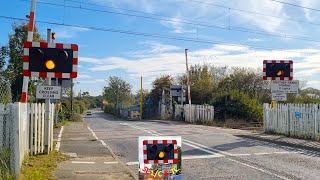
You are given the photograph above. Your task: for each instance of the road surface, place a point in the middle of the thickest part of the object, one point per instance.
(208, 152)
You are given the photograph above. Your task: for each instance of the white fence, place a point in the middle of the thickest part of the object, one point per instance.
(36, 116)
(23, 131)
(293, 119)
(195, 113)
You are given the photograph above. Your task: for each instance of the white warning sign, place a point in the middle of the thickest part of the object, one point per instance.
(48, 92)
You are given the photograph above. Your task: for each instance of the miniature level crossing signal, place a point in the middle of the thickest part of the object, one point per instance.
(160, 151)
(53, 60)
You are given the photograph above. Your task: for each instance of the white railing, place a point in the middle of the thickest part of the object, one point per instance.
(293, 119)
(195, 113)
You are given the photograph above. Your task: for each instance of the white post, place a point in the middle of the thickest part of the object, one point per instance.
(32, 121)
(48, 110)
(17, 159)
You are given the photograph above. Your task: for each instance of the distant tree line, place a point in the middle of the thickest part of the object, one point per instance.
(236, 93)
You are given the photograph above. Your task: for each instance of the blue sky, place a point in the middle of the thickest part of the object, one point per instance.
(276, 34)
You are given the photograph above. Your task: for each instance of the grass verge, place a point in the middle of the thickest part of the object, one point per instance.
(61, 123)
(41, 166)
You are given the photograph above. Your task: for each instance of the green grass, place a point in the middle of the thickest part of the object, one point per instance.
(41, 166)
(61, 123)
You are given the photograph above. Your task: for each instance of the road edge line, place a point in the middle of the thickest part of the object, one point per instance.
(59, 139)
(134, 175)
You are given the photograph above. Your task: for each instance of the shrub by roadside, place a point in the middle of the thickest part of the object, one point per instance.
(76, 118)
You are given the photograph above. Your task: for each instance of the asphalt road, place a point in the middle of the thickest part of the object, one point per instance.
(209, 152)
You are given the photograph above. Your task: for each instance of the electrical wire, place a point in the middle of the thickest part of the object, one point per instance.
(299, 6)
(162, 36)
(189, 22)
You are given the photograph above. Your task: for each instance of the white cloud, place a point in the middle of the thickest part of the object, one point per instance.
(68, 32)
(255, 40)
(91, 81)
(309, 14)
(83, 76)
(177, 25)
(266, 23)
(173, 63)
(153, 47)
(146, 5)
(314, 84)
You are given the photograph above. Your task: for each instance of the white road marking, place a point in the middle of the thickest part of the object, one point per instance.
(94, 134)
(205, 150)
(262, 153)
(132, 163)
(203, 146)
(202, 157)
(240, 154)
(112, 162)
(214, 154)
(259, 169)
(184, 158)
(82, 162)
(287, 152)
(59, 139)
(103, 143)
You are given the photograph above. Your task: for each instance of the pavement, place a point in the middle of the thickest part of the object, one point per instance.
(90, 157)
(207, 152)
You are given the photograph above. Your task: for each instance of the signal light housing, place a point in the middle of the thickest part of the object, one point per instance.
(277, 70)
(50, 60)
(160, 151)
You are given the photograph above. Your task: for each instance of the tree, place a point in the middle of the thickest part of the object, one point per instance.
(85, 94)
(145, 95)
(14, 53)
(158, 85)
(201, 84)
(117, 91)
(4, 52)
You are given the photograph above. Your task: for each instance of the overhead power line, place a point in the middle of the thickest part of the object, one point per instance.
(184, 21)
(162, 36)
(253, 12)
(299, 6)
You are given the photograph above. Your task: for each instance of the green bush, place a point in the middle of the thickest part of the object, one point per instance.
(238, 105)
(61, 116)
(76, 118)
(76, 108)
(110, 109)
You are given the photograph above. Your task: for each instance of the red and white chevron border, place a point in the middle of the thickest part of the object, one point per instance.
(27, 72)
(166, 161)
(265, 62)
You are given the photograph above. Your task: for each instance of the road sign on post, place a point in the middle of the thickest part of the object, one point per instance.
(285, 86)
(63, 82)
(48, 92)
(279, 97)
(175, 90)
